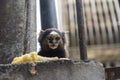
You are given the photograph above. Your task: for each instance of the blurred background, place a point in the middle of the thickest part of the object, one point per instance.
(102, 29)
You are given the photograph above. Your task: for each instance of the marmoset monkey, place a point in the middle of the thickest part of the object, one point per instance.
(52, 43)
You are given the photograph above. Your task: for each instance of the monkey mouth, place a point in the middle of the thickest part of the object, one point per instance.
(53, 46)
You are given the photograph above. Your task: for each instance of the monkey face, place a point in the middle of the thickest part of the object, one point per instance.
(53, 40)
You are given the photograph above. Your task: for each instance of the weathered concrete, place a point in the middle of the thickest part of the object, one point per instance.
(12, 29)
(53, 70)
(17, 28)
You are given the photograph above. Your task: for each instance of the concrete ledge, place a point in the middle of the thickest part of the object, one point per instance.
(53, 70)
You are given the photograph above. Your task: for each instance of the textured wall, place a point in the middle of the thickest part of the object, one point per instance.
(53, 70)
(17, 28)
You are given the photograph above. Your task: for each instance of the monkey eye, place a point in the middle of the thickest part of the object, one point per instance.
(50, 38)
(57, 38)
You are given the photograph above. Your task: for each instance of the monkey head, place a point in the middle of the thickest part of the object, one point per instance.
(51, 39)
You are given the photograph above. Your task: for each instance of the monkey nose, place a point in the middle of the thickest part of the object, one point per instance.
(54, 41)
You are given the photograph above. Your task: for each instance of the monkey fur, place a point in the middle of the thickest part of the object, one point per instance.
(52, 43)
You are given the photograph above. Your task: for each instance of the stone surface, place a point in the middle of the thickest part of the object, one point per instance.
(17, 28)
(53, 70)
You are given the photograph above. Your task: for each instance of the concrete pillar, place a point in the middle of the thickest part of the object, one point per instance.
(17, 28)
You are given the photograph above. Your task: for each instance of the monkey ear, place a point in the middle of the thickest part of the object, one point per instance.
(40, 35)
(63, 34)
(63, 37)
(42, 31)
